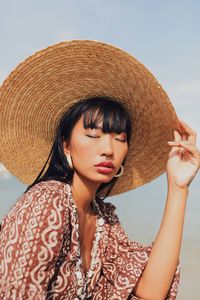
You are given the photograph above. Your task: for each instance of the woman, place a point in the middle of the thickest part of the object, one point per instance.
(61, 240)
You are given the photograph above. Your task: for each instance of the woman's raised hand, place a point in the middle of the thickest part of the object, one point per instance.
(184, 157)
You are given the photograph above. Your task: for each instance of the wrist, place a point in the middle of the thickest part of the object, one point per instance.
(172, 185)
(178, 193)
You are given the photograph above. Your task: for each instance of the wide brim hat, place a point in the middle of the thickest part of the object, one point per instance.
(41, 88)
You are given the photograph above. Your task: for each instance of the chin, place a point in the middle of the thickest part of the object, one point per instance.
(106, 179)
(101, 179)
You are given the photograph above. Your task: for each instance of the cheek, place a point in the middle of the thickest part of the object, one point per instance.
(121, 153)
(126, 151)
(81, 148)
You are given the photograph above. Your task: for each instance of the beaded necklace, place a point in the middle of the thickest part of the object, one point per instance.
(82, 280)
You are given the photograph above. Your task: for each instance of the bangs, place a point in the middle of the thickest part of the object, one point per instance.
(110, 113)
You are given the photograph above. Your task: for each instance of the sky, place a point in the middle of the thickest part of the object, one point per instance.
(163, 35)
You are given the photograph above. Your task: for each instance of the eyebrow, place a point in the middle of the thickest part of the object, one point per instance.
(98, 127)
(95, 127)
(101, 128)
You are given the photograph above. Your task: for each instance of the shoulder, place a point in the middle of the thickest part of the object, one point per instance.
(36, 227)
(49, 187)
(44, 196)
(44, 191)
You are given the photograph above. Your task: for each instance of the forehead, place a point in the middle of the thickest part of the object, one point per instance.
(105, 120)
(80, 124)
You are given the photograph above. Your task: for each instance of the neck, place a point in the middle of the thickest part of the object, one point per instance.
(83, 192)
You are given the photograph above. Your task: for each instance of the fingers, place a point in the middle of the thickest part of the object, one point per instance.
(175, 143)
(177, 136)
(192, 149)
(177, 139)
(184, 144)
(184, 139)
(187, 146)
(194, 152)
(187, 132)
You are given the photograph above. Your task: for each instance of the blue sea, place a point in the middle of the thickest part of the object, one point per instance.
(140, 212)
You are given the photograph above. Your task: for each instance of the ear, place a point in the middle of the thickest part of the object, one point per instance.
(66, 147)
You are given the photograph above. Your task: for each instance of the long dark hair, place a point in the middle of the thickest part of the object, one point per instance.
(115, 118)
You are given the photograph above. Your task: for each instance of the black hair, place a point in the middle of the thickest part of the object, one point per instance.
(115, 118)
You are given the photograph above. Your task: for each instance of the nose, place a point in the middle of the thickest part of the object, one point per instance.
(106, 146)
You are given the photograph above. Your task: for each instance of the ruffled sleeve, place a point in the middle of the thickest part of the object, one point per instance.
(125, 261)
(30, 240)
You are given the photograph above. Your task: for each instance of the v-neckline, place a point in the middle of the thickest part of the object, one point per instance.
(85, 280)
(98, 223)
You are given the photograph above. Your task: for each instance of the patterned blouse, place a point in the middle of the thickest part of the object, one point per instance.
(40, 251)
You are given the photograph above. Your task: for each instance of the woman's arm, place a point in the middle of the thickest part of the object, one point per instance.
(183, 164)
(159, 272)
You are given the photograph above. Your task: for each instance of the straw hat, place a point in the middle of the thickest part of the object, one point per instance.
(41, 88)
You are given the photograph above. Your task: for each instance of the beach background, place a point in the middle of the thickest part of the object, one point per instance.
(164, 36)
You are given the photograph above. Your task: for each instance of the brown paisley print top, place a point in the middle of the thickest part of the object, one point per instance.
(40, 251)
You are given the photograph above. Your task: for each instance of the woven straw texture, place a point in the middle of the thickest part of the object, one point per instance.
(41, 88)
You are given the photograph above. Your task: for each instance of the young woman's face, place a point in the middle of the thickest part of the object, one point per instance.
(90, 147)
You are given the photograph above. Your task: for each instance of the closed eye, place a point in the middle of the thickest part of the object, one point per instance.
(121, 140)
(91, 136)
(96, 137)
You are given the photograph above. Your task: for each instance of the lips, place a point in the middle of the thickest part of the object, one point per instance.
(106, 164)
